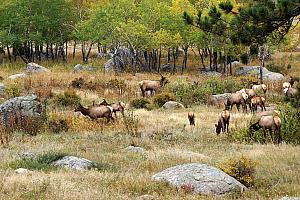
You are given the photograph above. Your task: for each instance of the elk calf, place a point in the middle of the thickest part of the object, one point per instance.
(223, 122)
(191, 117)
(255, 101)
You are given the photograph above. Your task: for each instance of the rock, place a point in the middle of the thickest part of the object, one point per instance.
(147, 197)
(2, 89)
(79, 68)
(22, 171)
(73, 162)
(119, 59)
(166, 68)
(35, 68)
(22, 106)
(290, 198)
(15, 76)
(172, 105)
(135, 149)
(211, 73)
(254, 70)
(219, 99)
(201, 178)
(26, 154)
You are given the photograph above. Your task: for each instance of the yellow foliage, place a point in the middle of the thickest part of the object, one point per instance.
(241, 168)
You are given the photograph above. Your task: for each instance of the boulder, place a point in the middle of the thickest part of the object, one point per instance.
(254, 70)
(35, 68)
(200, 178)
(119, 59)
(79, 68)
(212, 73)
(26, 155)
(219, 99)
(135, 149)
(22, 171)
(2, 89)
(172, 105)
(73, 162)
(15, 76)
(22, 106)
(166, 68)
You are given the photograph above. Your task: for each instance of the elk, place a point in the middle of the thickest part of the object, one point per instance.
(191, 117)
(270, 122)
(237, 99)
(286, 85)
(117, 107)
(223, 122)
(250, 92)
(96, 112)
(255, 101)
(290, 92)
(152, 86)
(262, 87)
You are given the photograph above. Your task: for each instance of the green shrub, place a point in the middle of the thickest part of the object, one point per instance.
(13, 90)
(242, 169)
(244, 58)
(139, 103)
(278, 68)
(162, 98)
(290, 123)
(116, 84)
(68, 98)
(131, 123)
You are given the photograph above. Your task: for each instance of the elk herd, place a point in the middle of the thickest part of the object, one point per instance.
(246, 97)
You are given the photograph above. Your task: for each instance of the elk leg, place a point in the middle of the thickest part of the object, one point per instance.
(238, 107)
(265, 135)
(271, 134)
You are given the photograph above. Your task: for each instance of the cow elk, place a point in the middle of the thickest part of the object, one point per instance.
(152, 86)
(237, 99)
(191, 117)
(257, 101)
(261, 87)
(223, 122)
(290, 92)
(96, 112)
(268, 122)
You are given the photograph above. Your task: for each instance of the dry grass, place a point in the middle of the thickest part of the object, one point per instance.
(166, 136)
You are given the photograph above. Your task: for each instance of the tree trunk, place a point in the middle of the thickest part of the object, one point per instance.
(168, 56)
(88, 53)
(51, 51)
(99, 47)
(230, 66)
(260, 69)
(74, 50)
(215, 60)
(2, 52)
(47, 51)
(210, 59)
(8, 53)
(174, 59)
(201, 57)
(66, 51)
(83, 51)
(159, 59)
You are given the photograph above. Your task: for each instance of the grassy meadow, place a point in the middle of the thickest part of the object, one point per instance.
(164, 134)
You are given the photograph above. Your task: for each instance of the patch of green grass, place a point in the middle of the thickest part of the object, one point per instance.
(41, 162)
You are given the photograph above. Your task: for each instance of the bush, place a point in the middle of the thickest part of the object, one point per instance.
(242, 169)
(277, 68)
(139, 103)
(131, 123)
(290, 123)
(68, 98)
(78, 82)
(13, 90)
(160, 99)
(57, 124)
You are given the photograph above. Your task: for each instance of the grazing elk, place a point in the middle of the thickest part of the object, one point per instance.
(117, 107)
(191, 117)
(267, 122)
(96, 112)
(223, 122)
(255, 101)
(237, 99)
(286, 85)
(291, 81)
(290, 92)
(260, 87)
(152, 86)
